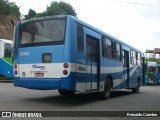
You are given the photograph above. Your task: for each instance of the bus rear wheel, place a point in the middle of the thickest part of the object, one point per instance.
(107, 89)
(137, 88)
(66, 92)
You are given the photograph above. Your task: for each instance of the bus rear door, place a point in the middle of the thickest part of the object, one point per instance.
(126, 67)
(93, 63)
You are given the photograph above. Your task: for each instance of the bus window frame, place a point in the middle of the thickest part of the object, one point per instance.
(82, 51)
(43, 43)
(104, 48)
(10, 52)
(115, 51)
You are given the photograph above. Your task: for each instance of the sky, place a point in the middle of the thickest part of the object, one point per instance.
(136, 22)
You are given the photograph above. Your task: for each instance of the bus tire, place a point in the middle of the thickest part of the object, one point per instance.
(137, 88)
(66, 92)
(107, 89)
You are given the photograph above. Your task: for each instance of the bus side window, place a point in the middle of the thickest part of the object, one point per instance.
(106, 47)
(7, 50)
(138, 58)
(133, 57)
(117, 51)
(80, 39)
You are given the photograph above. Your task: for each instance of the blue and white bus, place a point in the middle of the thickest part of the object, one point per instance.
(65, 53)
(6, 58)
(158, 74)
(152, 73)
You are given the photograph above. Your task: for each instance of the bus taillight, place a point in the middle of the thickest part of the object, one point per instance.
(15, 69)
(65, 65)
(65, 72)
(16, 72)
(15, 66)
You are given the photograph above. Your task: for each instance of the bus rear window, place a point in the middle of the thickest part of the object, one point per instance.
(42, 32)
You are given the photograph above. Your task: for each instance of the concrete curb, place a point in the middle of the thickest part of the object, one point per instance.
(6, 81)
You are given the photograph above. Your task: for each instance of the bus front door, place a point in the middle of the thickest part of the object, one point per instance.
(93, 63)
(126, 67)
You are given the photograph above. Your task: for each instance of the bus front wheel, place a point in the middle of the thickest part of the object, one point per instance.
(107, 89)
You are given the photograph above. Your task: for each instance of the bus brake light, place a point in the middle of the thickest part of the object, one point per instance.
(15, 66)
(65, 65)
(16, 72)
(65, 72)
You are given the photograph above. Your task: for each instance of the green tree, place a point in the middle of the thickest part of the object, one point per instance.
(41, 14)
(31, 14)
(14, 9)
(8, 8)
(67, 8)
(4, 11)
(56, 8)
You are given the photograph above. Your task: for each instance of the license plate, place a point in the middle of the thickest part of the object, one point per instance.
(39, 74)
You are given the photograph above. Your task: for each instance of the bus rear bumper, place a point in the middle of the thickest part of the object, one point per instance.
(37, 83)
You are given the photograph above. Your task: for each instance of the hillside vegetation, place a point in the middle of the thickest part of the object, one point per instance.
(153, 60)
(8, 11)
(6, 27)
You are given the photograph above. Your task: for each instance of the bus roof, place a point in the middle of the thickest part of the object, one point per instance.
(45, 17)
(152, 63)
(104, 33)
(86, 25)
(6, 40)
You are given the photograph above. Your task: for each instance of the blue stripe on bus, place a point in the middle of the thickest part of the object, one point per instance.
(45, 83)
(62, 83)
(6, 69)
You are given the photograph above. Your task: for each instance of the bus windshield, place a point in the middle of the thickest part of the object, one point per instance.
(42, 32)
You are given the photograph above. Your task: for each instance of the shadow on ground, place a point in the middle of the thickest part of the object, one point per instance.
(78, 99)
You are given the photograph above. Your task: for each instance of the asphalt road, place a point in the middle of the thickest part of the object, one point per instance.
(22, 99)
